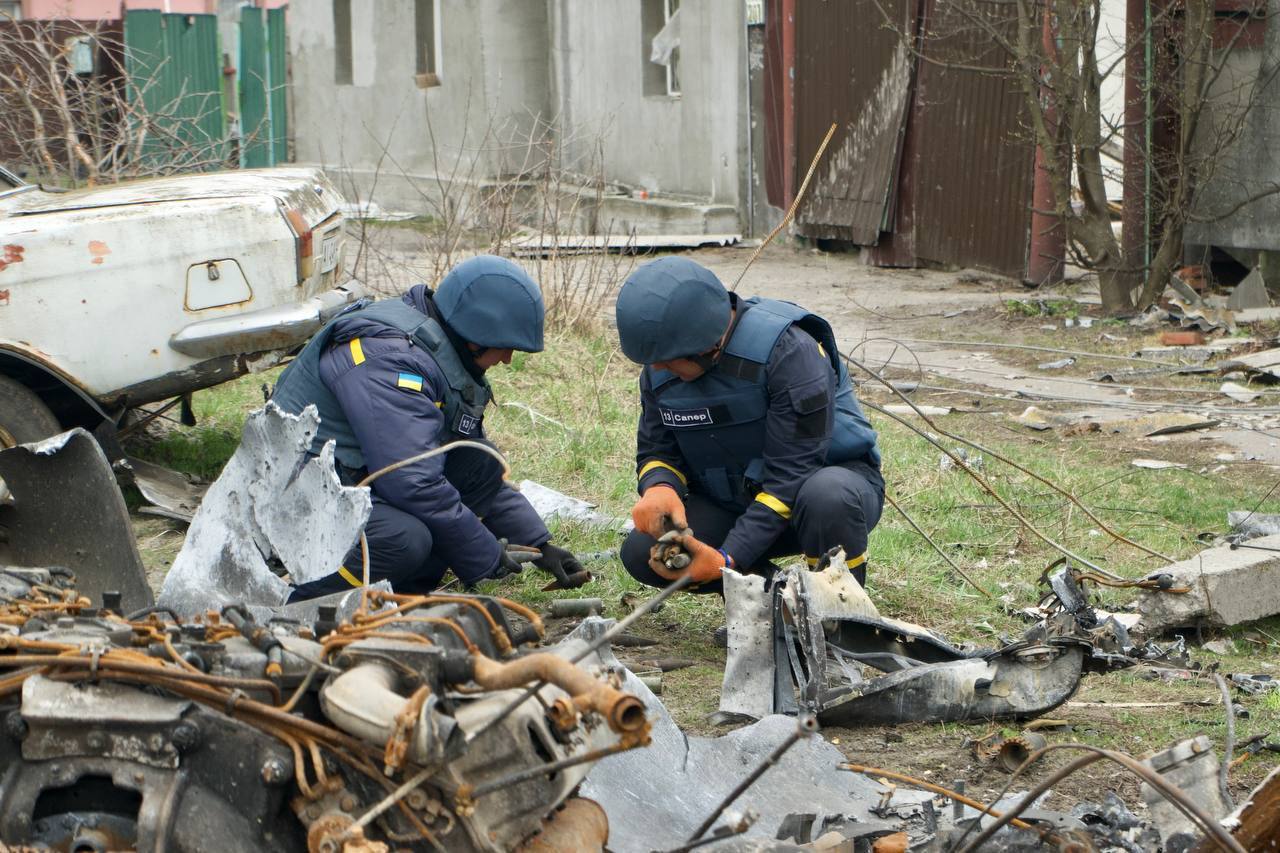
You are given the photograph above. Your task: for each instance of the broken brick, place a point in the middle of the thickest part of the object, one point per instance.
(1184, 338)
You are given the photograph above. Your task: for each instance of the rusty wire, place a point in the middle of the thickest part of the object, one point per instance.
(1163, 786)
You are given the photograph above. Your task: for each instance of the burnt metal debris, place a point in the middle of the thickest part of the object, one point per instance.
(370, 721)
(805, 641)
(163, 733)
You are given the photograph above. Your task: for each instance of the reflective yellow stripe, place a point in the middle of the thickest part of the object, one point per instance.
(774, 504)
(440, 404)
(851, 564)
(357, 355)
(655, 463)
(348, 577)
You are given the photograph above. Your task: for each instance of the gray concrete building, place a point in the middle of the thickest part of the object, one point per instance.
(410, 100)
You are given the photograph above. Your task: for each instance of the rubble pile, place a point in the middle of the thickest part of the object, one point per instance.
(421, 722)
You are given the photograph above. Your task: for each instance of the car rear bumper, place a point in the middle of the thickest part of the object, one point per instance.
(276, 328)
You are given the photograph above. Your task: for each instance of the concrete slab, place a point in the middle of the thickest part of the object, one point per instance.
(1228, 586)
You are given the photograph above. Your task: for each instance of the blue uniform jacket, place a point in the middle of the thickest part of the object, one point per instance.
(389, 389)
(798, 427)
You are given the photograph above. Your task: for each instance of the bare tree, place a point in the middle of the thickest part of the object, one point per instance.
(76, 108)
(1048, 50)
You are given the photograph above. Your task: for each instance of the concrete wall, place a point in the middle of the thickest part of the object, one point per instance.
(509, 70)
(492, 92)
(694, 144)
(1249, 116)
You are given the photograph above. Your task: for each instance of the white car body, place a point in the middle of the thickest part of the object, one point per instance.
(141, 291)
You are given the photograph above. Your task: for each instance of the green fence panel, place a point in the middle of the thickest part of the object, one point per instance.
(255, 84)
(263, 108)
(278, 63)
(175, 83)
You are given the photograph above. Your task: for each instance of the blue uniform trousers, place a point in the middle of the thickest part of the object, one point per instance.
(836, 506)
(399, 543)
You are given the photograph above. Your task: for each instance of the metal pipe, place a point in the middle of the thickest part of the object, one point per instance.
(624, 712)
(667, 591)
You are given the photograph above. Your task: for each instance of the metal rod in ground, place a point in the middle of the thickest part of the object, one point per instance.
(791, 211)
(806, 725)
(646, 606)
(943, 554)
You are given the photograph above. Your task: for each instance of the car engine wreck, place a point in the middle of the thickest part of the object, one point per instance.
(420, 723)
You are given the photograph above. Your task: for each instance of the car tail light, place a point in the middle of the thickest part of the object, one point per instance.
(304, 242)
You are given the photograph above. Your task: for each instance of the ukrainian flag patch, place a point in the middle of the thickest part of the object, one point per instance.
(409, 381)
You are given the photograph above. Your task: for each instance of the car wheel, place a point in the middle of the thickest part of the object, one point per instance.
(23, 417)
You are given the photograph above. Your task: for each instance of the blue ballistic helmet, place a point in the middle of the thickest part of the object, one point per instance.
(492, 302)
(671, 308)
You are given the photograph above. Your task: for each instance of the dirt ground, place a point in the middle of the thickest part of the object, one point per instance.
(870, 309)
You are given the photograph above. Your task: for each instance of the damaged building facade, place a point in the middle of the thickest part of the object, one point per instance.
(447, 92)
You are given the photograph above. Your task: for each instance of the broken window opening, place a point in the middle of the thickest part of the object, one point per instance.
(342, 74)
(426, 36)
(660, 47)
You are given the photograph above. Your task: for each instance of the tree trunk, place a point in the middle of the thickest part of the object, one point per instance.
(1116, 283)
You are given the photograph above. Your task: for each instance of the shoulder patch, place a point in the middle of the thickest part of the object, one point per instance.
(409, 381)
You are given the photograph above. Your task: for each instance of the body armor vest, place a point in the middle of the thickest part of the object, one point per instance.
(719, 418)
(301, 385)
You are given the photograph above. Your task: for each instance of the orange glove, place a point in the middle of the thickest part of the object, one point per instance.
(705, 565)
(659, 510)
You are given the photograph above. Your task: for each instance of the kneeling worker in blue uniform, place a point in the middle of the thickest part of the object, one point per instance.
(400, 376)
(750, 434)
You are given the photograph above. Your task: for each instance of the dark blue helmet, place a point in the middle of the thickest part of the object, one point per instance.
(492, 302)
(671, 308)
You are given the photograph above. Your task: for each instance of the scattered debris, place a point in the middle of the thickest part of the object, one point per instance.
(1056, 365)
(172, 494)
(807, 644)
(260, 510)
(549, 503)
(565, 607)
(324, 736)
(927, 411)
(1255, 685)
(1182, 339)
(1192, 766)
(973, 460)
(1228, 585)
(542, 245)
(1164, 423)
(1246, 525)
(1239, 393)
(1250, 293)
(1155, 464)
(64, 509)
(1266, 361)
(1219, 647)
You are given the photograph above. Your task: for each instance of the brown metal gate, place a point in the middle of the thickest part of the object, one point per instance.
(853, 69)
(930, 162)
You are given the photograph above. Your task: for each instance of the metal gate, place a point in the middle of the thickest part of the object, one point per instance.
(931, 162)
(175, 85)
(263, 103)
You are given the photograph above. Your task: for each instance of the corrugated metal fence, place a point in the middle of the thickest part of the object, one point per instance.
(931, 162)
(174, 72)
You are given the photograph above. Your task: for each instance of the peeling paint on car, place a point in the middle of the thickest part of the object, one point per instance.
(99, 250)
(12, 255)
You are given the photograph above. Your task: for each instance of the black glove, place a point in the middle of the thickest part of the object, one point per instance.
(507, 565)
(558, 562)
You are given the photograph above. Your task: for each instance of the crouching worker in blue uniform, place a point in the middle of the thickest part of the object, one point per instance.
(400, 376)
(750, 434)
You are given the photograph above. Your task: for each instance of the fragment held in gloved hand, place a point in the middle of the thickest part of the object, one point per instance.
(658, 511)
(680, 553)
(561, 564)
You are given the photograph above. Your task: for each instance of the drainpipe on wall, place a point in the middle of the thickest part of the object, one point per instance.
(1047, 246)
(789, 100)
